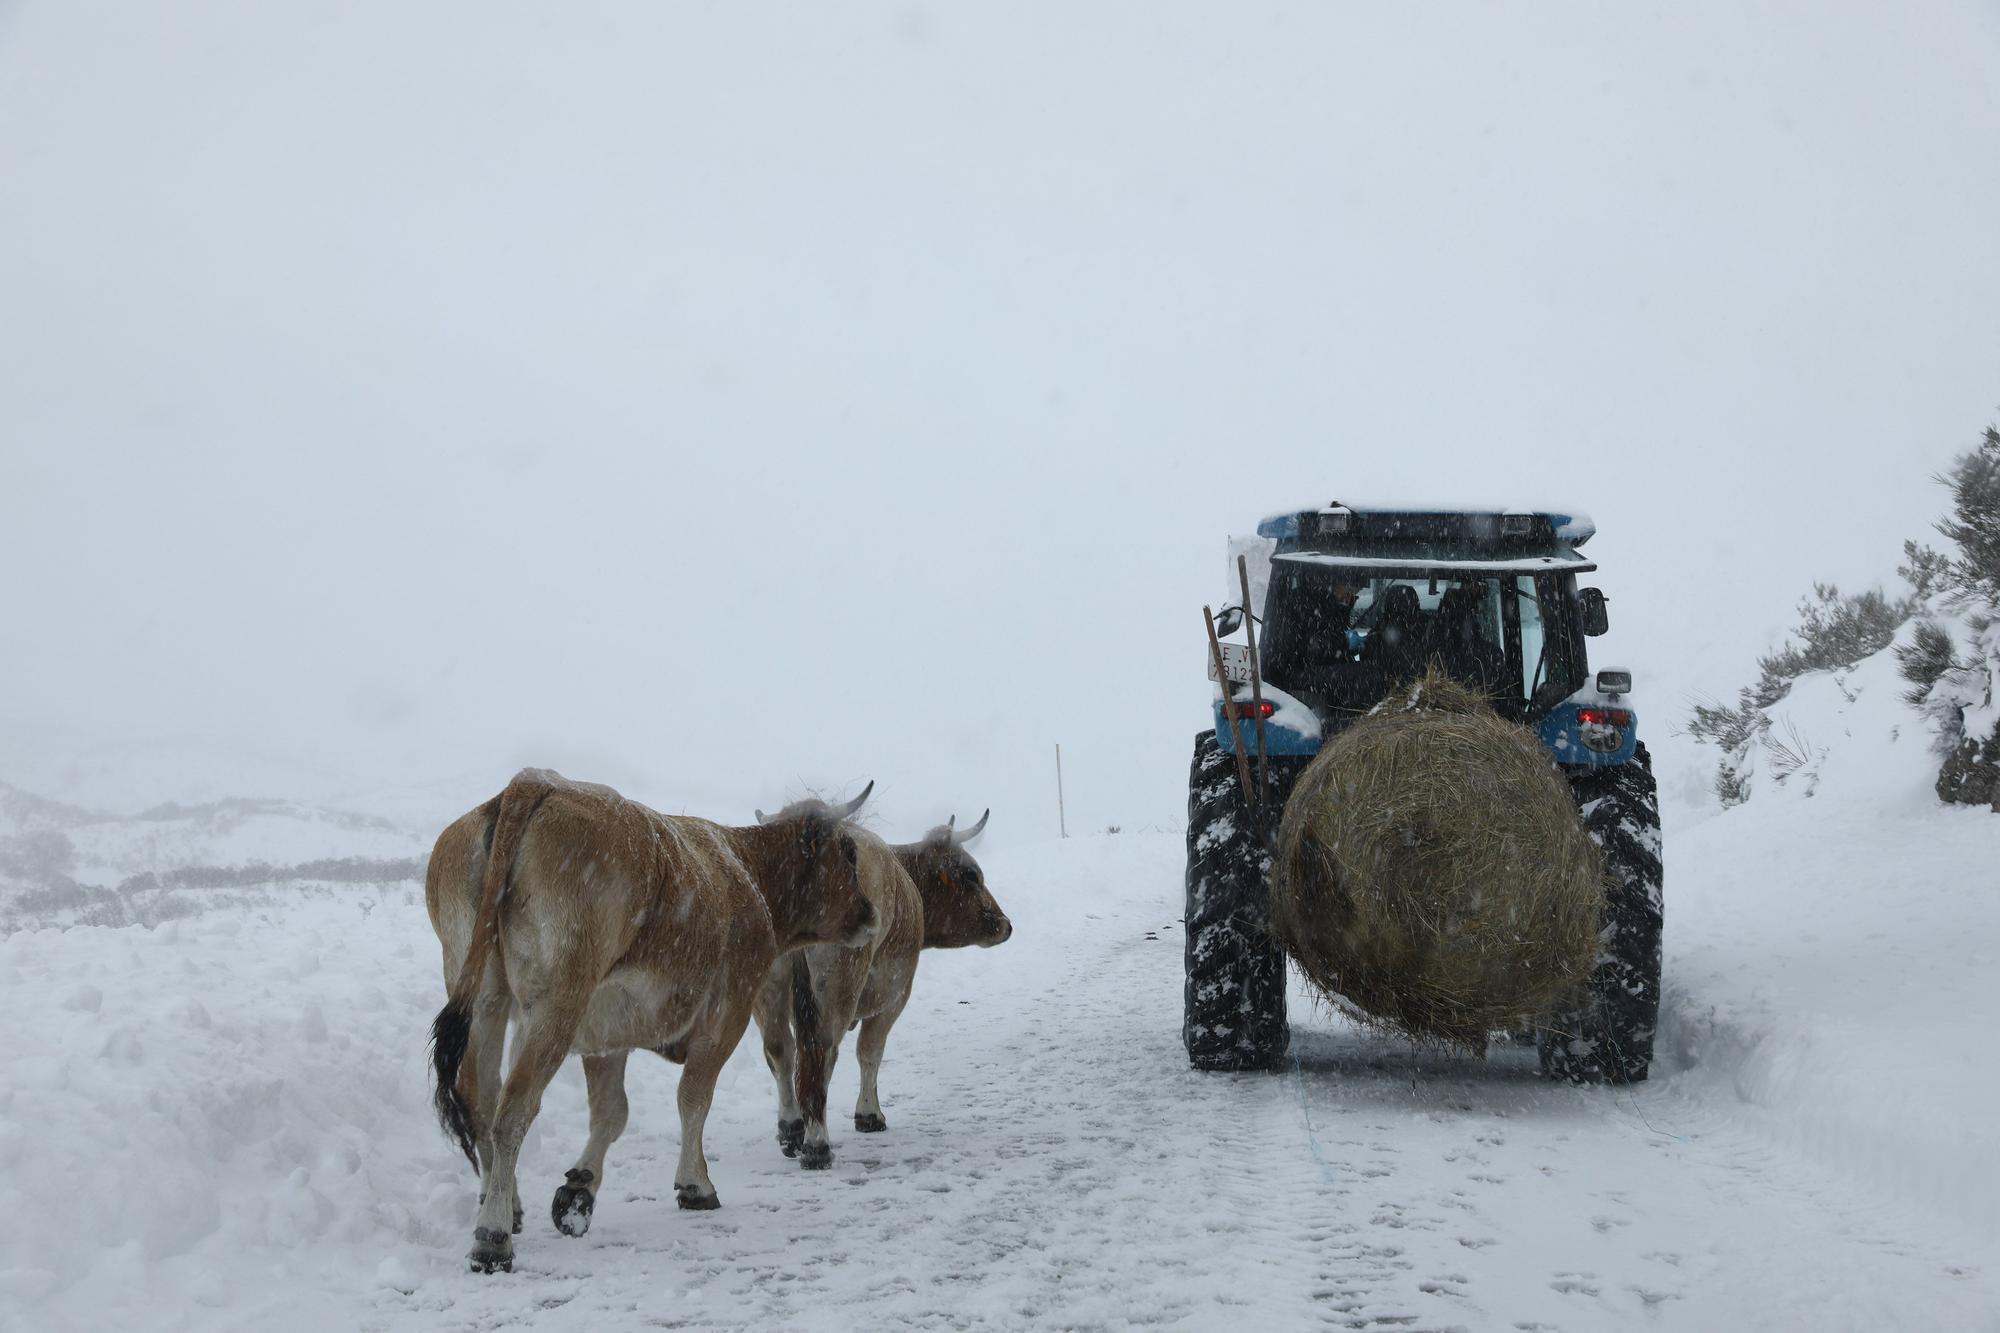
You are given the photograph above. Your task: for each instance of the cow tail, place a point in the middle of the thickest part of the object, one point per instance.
(451, 1031)
(809, 1069)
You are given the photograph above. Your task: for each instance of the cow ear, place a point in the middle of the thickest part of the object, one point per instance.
(848, 850)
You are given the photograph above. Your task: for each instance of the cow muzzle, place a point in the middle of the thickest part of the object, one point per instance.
(998, 931)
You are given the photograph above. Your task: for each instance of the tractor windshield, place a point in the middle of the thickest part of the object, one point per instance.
(1341, 638)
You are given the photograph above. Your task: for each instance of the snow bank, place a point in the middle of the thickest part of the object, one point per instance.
(1831, 946)
(1830, 974)
(184, 1100)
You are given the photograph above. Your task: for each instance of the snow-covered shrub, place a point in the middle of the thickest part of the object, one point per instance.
(1923, 569)
(1974, 524)
(1960, 692)
(1964, 702)
(40, 856)
(1930, 653)
(1836, 631)
(1731, 730)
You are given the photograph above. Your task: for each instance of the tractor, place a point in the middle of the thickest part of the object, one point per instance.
(1336, 605)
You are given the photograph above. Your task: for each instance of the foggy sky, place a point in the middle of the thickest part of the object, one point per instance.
(723, 401)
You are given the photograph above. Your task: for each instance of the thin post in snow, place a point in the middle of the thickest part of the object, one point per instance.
(1062, 816)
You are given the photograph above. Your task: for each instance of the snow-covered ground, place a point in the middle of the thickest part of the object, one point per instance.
(220, 1120)
(223, 1121)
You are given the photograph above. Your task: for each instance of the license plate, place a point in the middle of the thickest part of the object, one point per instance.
(1235, 662)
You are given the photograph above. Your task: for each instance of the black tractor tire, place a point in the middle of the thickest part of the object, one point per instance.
(1609, 1039)
(1234, 1017)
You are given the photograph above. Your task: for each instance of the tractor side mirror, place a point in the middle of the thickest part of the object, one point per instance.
(1596, 620)
(1229, 620)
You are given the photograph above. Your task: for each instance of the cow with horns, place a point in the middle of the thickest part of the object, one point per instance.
(929, 894)
(602, 927)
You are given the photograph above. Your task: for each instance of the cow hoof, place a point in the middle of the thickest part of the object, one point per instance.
(791, 1133)
(573, 1203)
(692, 1198)
(870, 1124)
(492, 1251)
(815, 1156)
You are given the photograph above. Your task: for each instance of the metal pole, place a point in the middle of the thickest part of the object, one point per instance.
(1229, 715)
(1256, 687)
(1062, 817)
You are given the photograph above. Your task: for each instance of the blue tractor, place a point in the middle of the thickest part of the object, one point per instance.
(1344, 602)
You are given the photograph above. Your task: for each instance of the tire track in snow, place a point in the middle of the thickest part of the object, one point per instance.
(1283, 1202)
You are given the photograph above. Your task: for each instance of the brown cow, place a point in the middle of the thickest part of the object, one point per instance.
(927, 895)
(603, 926)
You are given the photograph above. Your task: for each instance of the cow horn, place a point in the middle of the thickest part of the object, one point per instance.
(763, 818)
(847, 811)
(960, 839)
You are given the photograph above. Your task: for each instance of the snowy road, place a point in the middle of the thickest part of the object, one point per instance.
(222, 1123)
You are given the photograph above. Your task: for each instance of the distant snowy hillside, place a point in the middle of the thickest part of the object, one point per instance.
(62, 864)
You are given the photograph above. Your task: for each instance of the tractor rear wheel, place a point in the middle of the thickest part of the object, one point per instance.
(1234, 1015)
(1609, 1039)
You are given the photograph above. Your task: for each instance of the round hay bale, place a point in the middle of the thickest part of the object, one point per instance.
(1431, 871)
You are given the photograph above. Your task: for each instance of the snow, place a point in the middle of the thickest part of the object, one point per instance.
(1289, 714)
(1847, 1032)
(1973, 686)
(222, 1121)
(1536, 564)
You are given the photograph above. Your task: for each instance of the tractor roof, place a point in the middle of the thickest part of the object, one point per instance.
(1475, 525)
(1435, 536)
(1411, 566)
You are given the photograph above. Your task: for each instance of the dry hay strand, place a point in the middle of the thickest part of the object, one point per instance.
(1431, 871)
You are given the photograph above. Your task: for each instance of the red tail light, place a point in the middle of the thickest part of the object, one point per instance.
(1247, 711)
(1604, 717)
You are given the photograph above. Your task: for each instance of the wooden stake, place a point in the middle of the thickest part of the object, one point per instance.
(1229, 715)
(1256, 688)
(1062, 817)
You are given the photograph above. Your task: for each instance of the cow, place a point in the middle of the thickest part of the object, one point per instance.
(603, 927)
(929, 894)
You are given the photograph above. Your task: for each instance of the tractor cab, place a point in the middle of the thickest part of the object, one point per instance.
(1353, 600)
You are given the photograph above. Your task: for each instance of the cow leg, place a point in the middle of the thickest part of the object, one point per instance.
(868, 1048)
(692, 1187)
(484, 1062)
(545, 1036)
(576, 1198)
(839, 994)
(816, 1152)
(774, 1024)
